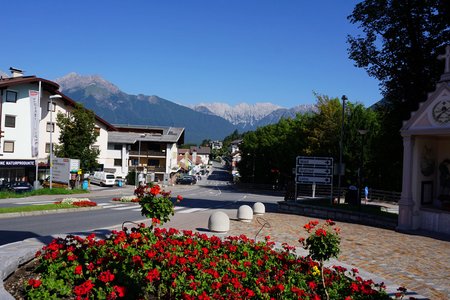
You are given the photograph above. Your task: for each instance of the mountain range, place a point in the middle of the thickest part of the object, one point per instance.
(202, 121)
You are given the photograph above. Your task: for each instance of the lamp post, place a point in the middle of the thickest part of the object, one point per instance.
(341, 145)
(51, 136)
(362, 132)
(139, 159)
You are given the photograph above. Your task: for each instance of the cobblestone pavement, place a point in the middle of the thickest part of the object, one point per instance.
(419, 263)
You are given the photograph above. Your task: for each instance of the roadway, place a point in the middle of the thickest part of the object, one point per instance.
(200, 200)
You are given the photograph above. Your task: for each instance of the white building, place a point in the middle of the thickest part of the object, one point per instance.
(151, 150)
(24, 144)
(148, 149)
(425, 200)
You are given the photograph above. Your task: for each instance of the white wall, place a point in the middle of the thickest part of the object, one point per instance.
(21, 134)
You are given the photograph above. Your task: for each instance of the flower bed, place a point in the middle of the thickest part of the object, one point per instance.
(81, 202)
(142, 264)
(126, 199)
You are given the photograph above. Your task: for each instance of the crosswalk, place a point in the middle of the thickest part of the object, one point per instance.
(122, 206)
(135, 207)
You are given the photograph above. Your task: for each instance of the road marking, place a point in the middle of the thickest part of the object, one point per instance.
(124, 208)
(191, 210)
(37, 202)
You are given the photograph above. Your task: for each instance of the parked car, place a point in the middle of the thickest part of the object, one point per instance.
(103, 179)
(186, 179)
(20, 187)
(4, 186)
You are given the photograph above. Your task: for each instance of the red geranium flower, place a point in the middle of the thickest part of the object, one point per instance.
(78, 270)
(120, 290)
(35, 283)
(106, 276)
(152, 275)
(179, 198)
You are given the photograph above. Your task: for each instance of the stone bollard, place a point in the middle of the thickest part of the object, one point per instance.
(219, 222)
(259, 208)
(245, 213)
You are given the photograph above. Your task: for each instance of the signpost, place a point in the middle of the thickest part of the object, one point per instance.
(314, 170)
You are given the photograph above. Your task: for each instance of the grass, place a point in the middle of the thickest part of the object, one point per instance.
(28, 208)
(371, 209)
(44, 191)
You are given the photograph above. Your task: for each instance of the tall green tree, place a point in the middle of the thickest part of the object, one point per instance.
(399, 45)
(77, 136)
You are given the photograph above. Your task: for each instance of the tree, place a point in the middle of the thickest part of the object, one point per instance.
(77, 136)
(399, 46)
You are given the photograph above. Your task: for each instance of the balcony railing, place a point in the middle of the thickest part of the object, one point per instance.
(148, 153)
(156, 169)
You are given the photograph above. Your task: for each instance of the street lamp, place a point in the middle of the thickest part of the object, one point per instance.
(51, 136)
(139, 159)
(341, 145)
(362, 132)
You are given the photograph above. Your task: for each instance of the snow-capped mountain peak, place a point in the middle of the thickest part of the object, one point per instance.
(242, 114)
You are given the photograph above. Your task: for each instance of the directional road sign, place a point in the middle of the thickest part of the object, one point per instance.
(311, 179)
(314, 170)
(315, 161)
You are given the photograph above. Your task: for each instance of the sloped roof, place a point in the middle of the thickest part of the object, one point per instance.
(130, 134)
(49, 86)
(421, 121)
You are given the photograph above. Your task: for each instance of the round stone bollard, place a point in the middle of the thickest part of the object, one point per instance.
(219, 222)
(245, 213)
(259, 208)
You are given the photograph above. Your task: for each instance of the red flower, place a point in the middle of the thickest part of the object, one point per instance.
(152, 275)
(106, 276)
(155, 190)
(179, 198)
(78, 270)
(321, 232)
(83, 288)
(120, 290)
(137, 260)
(354, 287)
(35, 283)
(312, 285)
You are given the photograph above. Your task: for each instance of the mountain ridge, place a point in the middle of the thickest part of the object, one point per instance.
(202, 121)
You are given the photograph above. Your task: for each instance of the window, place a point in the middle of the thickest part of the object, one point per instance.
(117, 147)
(11, 96)
(47, 147)
(97, 130)
(50, 127)
(10, 121)
(153, 162)
(117, 162)
(51, 107)
(96, 148)
(8, 146)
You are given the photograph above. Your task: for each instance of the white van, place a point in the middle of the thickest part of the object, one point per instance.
(103, 178)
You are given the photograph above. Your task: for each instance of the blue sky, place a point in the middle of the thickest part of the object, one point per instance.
(192, 51)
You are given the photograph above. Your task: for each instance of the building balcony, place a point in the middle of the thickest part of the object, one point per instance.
(147, 153)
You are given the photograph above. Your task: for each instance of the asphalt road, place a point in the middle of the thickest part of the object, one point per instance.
(200, 200)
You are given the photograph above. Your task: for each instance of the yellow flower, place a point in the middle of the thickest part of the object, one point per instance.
(315, 271)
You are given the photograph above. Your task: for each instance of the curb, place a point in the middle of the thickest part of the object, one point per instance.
(46, 212)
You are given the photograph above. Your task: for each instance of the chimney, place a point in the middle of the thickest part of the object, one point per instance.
(16, 72)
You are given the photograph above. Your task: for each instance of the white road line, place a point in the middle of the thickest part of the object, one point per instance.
(178, 207)
(191, 210)
(124, 208)
(37, 202)
(113, 205)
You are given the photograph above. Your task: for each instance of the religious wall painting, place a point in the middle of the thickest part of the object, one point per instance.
(444, 180)
(427, 161)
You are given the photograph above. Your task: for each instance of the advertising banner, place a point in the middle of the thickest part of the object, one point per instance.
(35, 117)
